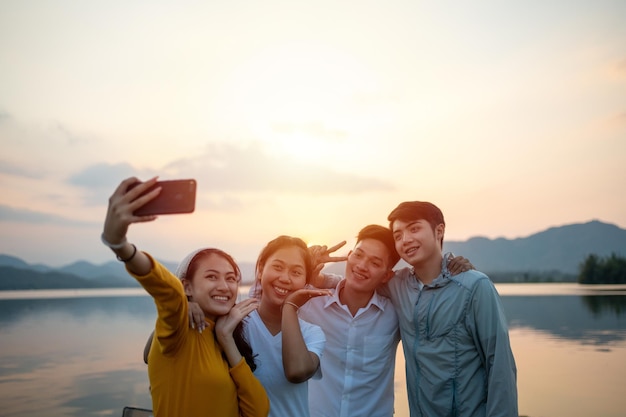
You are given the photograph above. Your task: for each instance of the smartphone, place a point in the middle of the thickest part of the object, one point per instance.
(176, 196)
(136, 412)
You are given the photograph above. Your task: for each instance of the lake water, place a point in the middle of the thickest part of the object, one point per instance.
(79, 352)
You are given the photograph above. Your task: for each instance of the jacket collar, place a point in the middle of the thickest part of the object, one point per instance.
(442, 279)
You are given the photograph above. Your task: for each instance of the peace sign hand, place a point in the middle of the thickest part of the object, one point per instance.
(321, 253)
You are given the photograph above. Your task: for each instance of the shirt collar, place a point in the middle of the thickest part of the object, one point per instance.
(376, 299)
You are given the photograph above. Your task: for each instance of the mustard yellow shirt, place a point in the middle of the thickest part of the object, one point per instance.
(188, 375)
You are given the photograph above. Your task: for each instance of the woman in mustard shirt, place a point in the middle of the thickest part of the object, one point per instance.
(191, 374)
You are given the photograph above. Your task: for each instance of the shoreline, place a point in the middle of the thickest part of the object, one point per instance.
(504, 289)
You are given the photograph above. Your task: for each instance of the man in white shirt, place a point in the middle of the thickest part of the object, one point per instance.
(361, 328)
(362, 334)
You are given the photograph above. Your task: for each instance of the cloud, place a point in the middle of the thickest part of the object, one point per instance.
(224, 172)
(102, 176)
(10, 214)
(22, 133)
(228, 168)
(10, 168)
(70, 137)
(39, 150)
(98, 181)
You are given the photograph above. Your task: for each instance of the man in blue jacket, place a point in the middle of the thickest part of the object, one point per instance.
(454, 333)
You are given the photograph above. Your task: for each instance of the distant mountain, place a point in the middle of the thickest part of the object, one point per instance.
(15, 274)
(555, 249)
(555, 252)
(12, 278)
(7, 260)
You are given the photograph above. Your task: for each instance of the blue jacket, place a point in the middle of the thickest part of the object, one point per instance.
(456, 345)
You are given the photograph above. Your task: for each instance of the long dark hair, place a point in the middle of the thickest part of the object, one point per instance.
(238, 334)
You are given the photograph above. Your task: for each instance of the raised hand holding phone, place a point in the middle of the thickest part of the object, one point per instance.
(176, 197)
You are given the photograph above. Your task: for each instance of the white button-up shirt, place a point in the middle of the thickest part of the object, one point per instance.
(359, 358)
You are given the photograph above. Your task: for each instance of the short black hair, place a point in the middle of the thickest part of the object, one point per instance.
(410, 211)
(416, 210)
(383, 235)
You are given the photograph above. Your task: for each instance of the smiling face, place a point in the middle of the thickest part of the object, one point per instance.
(283, 272)
(368, 266)
(416, 241)
(213, 284)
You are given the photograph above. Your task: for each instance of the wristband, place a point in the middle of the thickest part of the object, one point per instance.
(132, 255)
(111, 245)
(292, 304)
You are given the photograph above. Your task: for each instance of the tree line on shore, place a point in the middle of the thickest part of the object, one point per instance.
(603, 270)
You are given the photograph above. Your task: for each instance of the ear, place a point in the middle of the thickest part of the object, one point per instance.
(186, 286)
(439, 231)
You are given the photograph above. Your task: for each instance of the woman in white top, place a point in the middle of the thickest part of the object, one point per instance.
(287, 349)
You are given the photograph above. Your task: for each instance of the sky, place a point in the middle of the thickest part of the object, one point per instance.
(311, 119)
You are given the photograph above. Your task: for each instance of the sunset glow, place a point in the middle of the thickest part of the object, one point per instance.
(307, 119)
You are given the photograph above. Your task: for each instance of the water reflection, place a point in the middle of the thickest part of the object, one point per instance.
(606, 304)
(569, 317)
(82, 356)
(12, 311)
(96, 394)
(73, 357)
